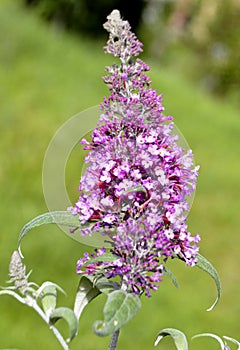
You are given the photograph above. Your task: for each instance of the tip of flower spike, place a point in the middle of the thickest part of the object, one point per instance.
(122, 42)
(114, 15)
(113, 19)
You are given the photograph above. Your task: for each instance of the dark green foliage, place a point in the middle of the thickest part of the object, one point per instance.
(87, 16)
(223, 49)
(200, 38)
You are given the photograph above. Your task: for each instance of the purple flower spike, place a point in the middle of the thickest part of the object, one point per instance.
(138, 179)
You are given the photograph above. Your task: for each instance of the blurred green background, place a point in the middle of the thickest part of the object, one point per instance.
(48, 74)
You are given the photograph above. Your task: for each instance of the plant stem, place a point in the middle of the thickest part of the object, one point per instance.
(32, 303)
(114, 340)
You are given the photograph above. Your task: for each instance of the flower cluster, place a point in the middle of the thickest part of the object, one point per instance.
(136, 187)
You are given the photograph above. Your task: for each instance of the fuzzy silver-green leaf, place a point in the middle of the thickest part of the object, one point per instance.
(64, 218)
(47, 293)
(171, 275)
(119, 309)
(233, 341)
(211, 336)
(178, 337)
(86, 292)
(206, 266)
(69, 316)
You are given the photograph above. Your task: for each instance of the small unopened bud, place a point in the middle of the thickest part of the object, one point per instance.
(17, 272)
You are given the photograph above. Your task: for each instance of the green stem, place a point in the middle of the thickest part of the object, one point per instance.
(32, 303)
(114, 340)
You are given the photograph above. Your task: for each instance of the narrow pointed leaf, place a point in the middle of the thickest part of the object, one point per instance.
(69, 316)
(106, 286)
(171, 275)
(107, 257)
(233, 341)
(178, 337)
(48, 295)
(206, 266)
(103, 284)
(212, 336)
(119, 309)
(49, 299)
(64, 218)
(86, 292)
(47, 284)
(68, 220)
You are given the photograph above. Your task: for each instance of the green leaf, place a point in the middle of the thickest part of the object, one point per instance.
(119, 309)
(106, 286)
(86, 292)
(107, 257)
(179, 338)
(64, 218)
(138, 188)
(49, 299)
(69, 316)
(103, 284)
(212, 336)
(48, 295)
(171, 275)
(206, 266)
(233, 341)
(67, 219)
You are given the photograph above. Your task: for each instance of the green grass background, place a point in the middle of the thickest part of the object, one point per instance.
(46, 76)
